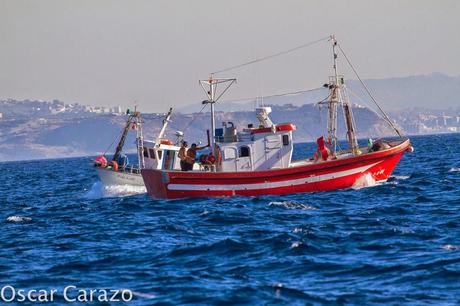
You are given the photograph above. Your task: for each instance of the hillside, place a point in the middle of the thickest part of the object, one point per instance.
(86, 133)
(40, 129)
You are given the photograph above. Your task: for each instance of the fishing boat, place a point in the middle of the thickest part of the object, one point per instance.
(118, 171)
(255, 161)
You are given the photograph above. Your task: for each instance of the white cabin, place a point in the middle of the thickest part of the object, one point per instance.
(268, 146)
(161, 156)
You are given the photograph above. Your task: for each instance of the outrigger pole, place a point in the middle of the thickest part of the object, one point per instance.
(211, 93)
(166, 120)
(131, 119)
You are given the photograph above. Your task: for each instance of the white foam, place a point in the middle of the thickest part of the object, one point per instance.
(454, 169)
(143, 295)
(205, 212)
(297, 230)
(450, 247)
(18, 219)
(296, 244)
(366, 180)
(302, 230)
(400, 177)
(292, 205)
(99, 190)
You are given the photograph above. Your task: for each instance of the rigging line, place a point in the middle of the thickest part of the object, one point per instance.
(275, 95)
(194, 117)
(369, 93)
(272, 56)
(367, 105)
(115, 139)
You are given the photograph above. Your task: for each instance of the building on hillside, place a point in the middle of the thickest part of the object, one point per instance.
(116, 110)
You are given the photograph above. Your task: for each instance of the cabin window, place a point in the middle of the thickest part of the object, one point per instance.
(244, 151)
(285, 140)
(151, 153)
(146, 152)
(168, 160)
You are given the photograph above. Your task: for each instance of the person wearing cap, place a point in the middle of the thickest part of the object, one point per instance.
(183, 156)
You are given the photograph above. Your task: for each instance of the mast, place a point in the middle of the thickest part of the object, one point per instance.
(333, 101)
(140, 143)
(211, 93)
(339, 95)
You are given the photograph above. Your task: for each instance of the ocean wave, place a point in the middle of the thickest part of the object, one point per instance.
(99, 190)
(400, 177)
(454, 169)
(450, 247)
(18, 219)
(142, 295)
(291, 205)
(295, 244)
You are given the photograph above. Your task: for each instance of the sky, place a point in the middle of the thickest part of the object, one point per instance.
(152, 53)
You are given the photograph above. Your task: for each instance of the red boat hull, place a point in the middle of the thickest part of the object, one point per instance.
(330, 175)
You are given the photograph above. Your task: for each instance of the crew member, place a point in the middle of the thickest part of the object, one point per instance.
(183, 156)
(323, 153)
(191, 155)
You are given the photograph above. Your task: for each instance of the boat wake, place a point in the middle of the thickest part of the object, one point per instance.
(99, 190)
(455, 169)
(364, 181)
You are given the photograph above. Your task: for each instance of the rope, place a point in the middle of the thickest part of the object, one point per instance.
(275, 95)
(272, 56)
(369, 93)
(367, 104)
(115, 139)
(194, 117)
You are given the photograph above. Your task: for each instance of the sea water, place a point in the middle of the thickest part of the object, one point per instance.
(392, 243)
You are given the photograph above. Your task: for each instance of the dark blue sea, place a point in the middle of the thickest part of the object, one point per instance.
(394, 243)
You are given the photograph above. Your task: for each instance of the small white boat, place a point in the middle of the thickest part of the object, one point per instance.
(110, 177)
(117, 171)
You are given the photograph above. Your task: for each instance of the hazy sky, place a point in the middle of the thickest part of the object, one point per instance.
(116, 52)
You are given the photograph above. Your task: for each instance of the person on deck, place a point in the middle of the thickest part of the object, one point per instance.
(191, 155)
(183, 156)
(323, 153)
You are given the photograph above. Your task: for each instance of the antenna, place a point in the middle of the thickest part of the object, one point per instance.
(210, 87)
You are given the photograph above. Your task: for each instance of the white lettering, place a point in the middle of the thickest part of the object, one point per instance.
(129, 294)
(66, 297)
(53, 291)
(43, 295)
(70, 293)
(114, 298)
(31, 294)
(82, 296)
(12, 291)
(21, 296)
(102, 297)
